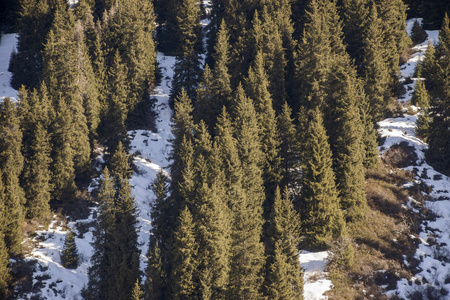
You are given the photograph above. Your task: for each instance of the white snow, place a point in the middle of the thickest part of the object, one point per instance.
(434, 249)
(7, 44)
(315, 282)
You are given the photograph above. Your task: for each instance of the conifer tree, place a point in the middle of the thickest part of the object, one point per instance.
(421, 98)
(370, 136)
(120, 165)
(156, 277)
(247, 252)
(321, 215)
(345, 130)
(187, 65)
(289, 151)
(36, 176)
(257, 90)
(313, 57)
(418, 34)
(373, 67)
(11, 162)
(125, 252)
(429, 70)
(284, 278)
(113, 128)
(100, 276)
(62, 165)
(137, 293)
(184, 258)
(5, 276)
(439, 133)
(33, 25)
(69, 255)
(128, 28)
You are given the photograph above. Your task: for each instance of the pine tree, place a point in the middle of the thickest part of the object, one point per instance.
(418, 34)
(120, 165)
(284, 279)
(369, 137)
(321, 215)
(11, 162)
(184, 258)
(69, 255)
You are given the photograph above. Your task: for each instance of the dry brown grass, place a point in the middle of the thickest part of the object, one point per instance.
(380, 241)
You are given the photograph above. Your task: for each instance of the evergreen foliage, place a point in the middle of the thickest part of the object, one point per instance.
(11, 163)
(321, 215)
(5, 275)
(284, 278)
(69, 255)
(418, 34)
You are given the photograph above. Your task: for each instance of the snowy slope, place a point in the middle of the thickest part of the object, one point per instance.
(433, 251)
(151, 150)
(8, 43)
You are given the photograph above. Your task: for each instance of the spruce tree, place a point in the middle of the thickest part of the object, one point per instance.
(345, 130)
(62, 165)
(321, 215)
(284, 279)
(247, 252)
(289, 151)
(69, 255)
(125, 252)
(11, 162)
(421, 98)
(184, 258)
(156, 277)
(374, 67)
(100, 275)
(113, 128)
(136, 293)
(33, 25)
(5, 276)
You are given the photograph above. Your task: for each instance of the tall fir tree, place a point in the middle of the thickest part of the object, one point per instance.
(11, 162)
(321, 215)
(5, 275)
(156, 277)
(284, 276)
(69, 255)
(247, 251)
(184, 258)
(100, 276)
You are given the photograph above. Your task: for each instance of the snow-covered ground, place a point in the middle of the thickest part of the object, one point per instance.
(315, 282)
(433, 279)
(7, 44)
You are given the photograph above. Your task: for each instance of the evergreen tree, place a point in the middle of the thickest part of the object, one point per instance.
(69, 255)
(62, 155)
(33, 25)
(418, 34)
(289, 151)
(257, 90)
(36, 176)
(374, 68)
(156, 277)
(184, 258)
(114, 129)
(370, 136)
(439, 133)
(5, 276)
(137, 293)
(125, 252)
(321, 216)
(11, 162)
(247, 252)
(284, 278)
(346, 131)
